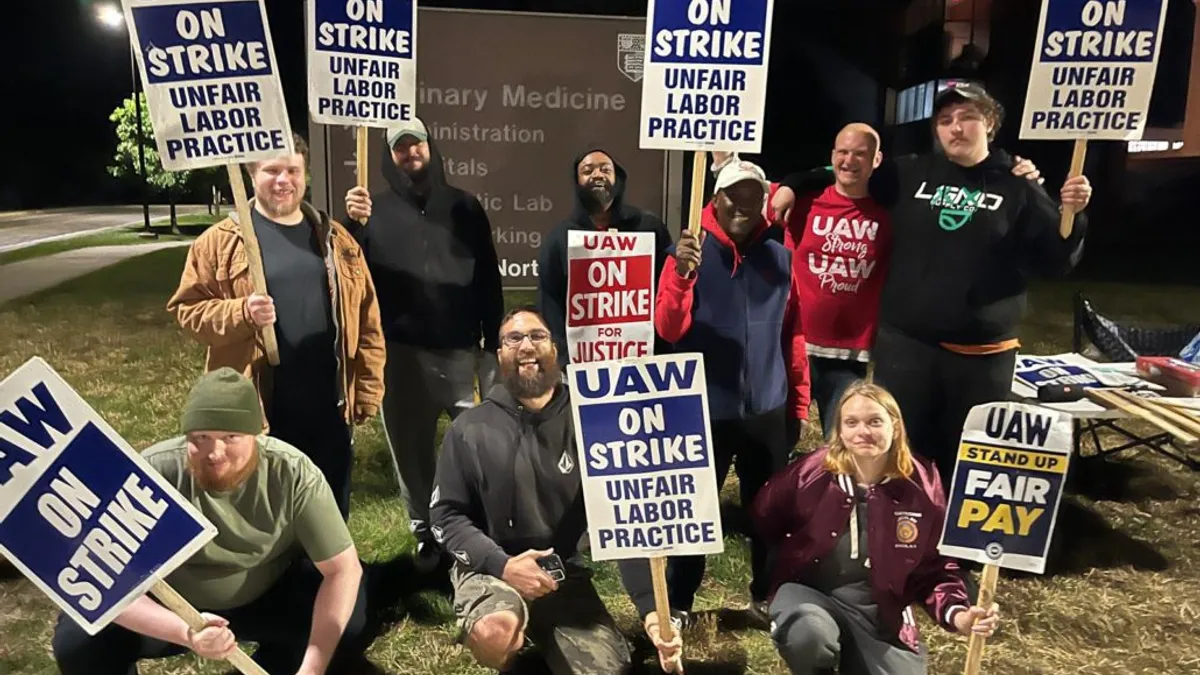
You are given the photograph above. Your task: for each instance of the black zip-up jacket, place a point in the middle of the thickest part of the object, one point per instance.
(433, 261)
(508, 480)
(552, 261)
(966, 240)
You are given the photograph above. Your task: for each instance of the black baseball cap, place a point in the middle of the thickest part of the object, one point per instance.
(961, 90)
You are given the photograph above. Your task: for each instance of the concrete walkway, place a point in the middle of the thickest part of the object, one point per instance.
(26, 277)
(19, 229)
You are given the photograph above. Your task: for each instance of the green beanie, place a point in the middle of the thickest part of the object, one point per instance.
(223, 400)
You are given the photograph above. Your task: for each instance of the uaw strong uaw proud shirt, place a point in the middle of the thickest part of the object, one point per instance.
(840, 248)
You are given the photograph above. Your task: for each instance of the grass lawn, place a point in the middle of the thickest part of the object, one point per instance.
(1123, 595)
(118, 237)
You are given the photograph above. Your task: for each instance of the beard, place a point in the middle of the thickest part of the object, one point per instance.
(212, 482)
(595, 196)
(530, 386)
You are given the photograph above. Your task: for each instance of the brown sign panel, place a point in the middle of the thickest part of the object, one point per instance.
(511, 99)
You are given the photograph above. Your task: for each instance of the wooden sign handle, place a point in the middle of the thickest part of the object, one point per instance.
(361, 155)
(699, 172)
(662, 605)
(175, 602)
(1067, 223)
(253, 255)
(987, 594)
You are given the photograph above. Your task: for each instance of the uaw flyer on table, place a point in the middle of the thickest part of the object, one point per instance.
(82, 515)
(610, 295)
(645, 451)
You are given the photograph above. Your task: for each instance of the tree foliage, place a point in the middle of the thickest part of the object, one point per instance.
(125, 162)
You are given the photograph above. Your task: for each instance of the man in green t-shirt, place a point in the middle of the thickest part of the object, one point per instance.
(282, 570)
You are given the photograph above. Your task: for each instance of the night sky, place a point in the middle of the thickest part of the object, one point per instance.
(65, 73)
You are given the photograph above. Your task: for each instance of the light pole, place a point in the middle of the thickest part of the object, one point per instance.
(110, 16)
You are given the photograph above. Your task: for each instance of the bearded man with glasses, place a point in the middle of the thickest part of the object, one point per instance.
(508, 506)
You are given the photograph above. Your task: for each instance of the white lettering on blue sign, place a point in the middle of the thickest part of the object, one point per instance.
(81, 514)
(362, 61)
(649, 482)
(211, 81)
(1093, 69)
(705, 76)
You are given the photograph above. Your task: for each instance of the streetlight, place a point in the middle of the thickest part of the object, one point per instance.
(110, 16)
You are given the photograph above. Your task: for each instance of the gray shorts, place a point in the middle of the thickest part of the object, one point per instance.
(571, 628)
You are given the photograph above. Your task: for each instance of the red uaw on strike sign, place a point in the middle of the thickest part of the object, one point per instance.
(610, 297)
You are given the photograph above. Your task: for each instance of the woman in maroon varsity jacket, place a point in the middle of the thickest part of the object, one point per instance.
(854, 529)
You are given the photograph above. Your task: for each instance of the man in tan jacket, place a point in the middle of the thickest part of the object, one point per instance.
(321, 300)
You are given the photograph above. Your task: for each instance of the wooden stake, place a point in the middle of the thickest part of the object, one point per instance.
(987, 593)
(699, 172)
(253, 255)
(361, 155)
(1067, 223)
(1111, 399)
(1186, 422)
(662, 605)
(175, 602)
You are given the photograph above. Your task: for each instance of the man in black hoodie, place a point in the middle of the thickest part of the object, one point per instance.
(599, 182)
(967, 235)
(508, 503)
(429, 248)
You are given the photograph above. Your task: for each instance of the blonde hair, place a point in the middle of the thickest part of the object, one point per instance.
(900, 460)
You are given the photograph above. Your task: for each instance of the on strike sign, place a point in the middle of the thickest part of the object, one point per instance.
(81, 514)
(610, 297)
(1093, 69)
(211, 80)
(645, 445)
(1007, 485)
(362, 61)
(705, 82)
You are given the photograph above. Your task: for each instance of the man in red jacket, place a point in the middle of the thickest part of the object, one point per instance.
(729, 295)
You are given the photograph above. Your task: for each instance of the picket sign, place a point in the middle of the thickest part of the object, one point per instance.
(1007, 484)
(1093, 71)
(83, 515)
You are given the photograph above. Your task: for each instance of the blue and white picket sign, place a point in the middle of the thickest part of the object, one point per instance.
(1093, 69)
(705, 84)
(362, 61)
(644, 445)
(1007, 485)
(211, 81)
(81, 514)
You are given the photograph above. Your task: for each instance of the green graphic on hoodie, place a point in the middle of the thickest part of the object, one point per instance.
(957, 205)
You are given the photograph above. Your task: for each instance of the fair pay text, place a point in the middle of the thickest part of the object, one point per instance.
(1009, 498)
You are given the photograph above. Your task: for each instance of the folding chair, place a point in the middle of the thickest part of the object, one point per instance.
(1119, 342)
(1124, 342)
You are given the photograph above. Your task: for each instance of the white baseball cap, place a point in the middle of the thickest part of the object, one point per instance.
(414, 127)
(736, 172)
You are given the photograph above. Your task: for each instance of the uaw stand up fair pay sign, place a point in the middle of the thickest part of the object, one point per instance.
(645, 451)
(82, 515)
(1008, 481)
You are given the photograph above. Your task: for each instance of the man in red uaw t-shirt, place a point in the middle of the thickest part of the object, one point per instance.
(840, 240)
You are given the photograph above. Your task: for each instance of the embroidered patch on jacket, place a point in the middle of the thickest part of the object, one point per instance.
(906, 529)
(566, 464)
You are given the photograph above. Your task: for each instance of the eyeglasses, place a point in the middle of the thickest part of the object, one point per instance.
(515, 338)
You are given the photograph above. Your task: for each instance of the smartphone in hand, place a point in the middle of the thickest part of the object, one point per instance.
(553, 565)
